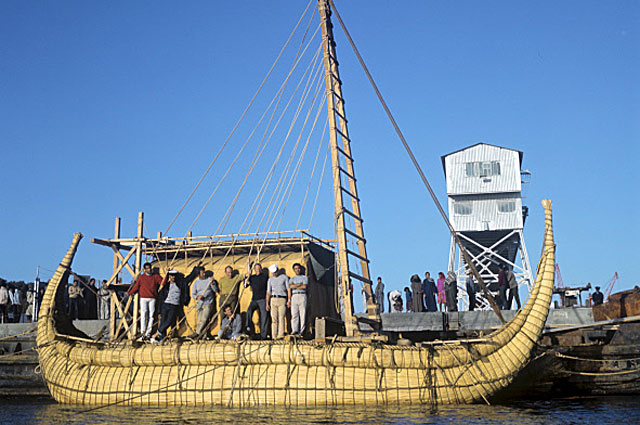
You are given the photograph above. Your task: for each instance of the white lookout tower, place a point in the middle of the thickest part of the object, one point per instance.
(484, 189)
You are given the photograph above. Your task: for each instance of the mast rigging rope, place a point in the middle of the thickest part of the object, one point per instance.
(240, 119)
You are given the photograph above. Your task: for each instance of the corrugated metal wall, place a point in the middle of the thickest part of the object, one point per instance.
(484, 212)
(458, 183)
(483, 195)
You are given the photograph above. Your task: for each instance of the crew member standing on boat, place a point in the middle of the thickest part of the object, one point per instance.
(277, 289)
(380, 295)
(172, 296)
(598, 297)
(297, 293)
(258, 283)
(104, 296)
(146, 285)
(75, 292)
(229, 288)
(203, 291)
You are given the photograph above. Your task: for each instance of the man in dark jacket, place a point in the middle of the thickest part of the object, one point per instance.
(173, 296)
(258, 283)
(503, 284)
(471, 291)
(598, 297)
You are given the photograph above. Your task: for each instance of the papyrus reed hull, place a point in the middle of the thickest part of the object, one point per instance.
(292, 373)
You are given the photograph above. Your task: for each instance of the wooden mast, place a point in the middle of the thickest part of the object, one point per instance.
(342, 170)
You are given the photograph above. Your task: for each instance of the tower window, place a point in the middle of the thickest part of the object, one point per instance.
(462, 208)
(506, 206)
(482, 168)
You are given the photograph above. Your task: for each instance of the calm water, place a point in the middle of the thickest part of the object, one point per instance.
(596, 410)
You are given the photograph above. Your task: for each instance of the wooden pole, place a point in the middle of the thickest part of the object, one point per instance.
(138, 268)
(343, 260)
(342, 166)
(116, 270)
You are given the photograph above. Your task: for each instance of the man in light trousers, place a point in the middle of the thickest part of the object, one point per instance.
(147, 286)
(277, 299)
(298, 299)
(202, 291)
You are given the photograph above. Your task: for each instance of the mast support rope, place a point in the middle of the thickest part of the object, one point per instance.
(240, 119)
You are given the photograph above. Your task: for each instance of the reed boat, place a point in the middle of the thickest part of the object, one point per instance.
(351, 366)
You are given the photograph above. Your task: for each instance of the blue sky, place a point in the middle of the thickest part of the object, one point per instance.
(110, 108)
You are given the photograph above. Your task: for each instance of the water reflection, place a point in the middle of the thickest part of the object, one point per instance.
(567, 411)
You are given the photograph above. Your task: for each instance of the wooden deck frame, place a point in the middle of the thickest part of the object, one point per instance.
(162, 248)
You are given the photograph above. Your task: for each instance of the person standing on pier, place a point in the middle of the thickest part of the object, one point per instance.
(471, 291)
(442, 298)
(16, 304)
(28, 312)
(503, 284)
(451, 288)
(146, 285)
(598, 297)
(380, 295)
(513, 289)
(418, 294)
(429, 289)
(4, 302)
(395, 301)
(408, 298)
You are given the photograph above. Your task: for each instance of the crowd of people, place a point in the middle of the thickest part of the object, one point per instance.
(273, 294)
(17, 303)
(429, 295)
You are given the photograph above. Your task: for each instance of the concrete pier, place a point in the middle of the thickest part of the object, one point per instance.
(19, 361)
(469, 321)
